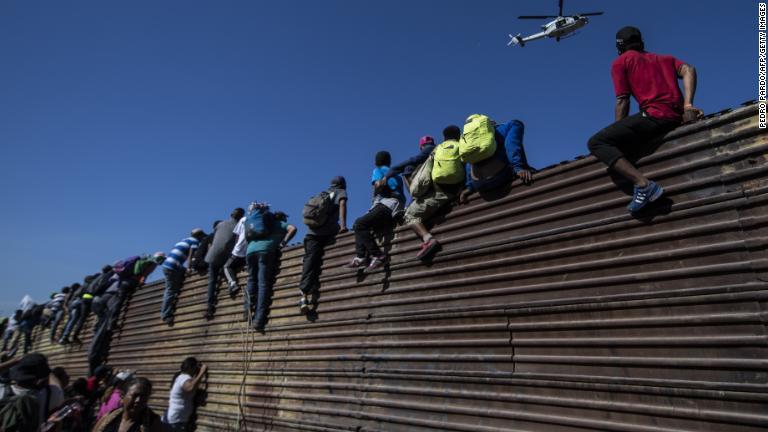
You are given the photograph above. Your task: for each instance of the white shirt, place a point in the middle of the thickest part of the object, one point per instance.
(12, 324)
(26, 303)
(179, 401)
(241, 245)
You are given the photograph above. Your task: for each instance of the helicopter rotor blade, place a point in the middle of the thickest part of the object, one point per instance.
(535, 16)
(560, 13)
(590, 14)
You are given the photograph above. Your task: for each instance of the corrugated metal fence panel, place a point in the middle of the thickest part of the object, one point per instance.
(549, 309)
(72, 357)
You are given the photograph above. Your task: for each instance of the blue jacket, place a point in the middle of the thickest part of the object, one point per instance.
(512, 147)
(409, 165)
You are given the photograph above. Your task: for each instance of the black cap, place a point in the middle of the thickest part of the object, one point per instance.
(339, 182)
(628, 34)
(31, 367)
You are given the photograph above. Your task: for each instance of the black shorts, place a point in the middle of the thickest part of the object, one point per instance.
(630, 135)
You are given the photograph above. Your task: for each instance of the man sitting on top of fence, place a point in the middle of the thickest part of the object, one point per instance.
(652, 80)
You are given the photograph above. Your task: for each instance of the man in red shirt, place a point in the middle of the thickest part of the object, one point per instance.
(652, 80)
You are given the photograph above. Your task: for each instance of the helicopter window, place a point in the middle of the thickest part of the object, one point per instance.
(560, 23)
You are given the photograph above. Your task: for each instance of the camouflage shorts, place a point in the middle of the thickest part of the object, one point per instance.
(424, 207)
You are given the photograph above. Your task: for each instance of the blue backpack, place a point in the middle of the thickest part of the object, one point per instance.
(258, 224)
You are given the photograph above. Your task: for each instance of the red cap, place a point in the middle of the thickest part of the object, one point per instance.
(426, 139)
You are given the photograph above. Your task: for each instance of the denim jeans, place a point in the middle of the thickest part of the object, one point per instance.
(174, 279)
(7, 336)
(26, 327)
(78, 312)
(259, 288)
(57, 316)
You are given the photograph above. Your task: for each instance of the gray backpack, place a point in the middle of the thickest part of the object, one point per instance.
(318, 209)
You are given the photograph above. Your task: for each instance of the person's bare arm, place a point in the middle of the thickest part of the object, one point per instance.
(622, 107)
(688, 74)
(380, 183)
(190, 257)
(194, 383)
(343, 214)
(9, 364)
(290, 232)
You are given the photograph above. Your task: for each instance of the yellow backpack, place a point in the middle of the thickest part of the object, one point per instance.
(447, 167)
(478, 142)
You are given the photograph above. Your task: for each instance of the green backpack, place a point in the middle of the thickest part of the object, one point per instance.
(478, 141)
(447, 167)
(20, 413)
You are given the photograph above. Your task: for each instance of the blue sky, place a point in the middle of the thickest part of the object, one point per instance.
(123, 125)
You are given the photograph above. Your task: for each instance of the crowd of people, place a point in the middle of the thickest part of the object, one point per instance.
(34, 397)
(484, 156)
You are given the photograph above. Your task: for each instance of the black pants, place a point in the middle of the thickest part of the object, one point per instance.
(97, 351)
(214, 274)
(233, 265)
(378, 218)
(630, 136)
(314, 248)
(107, 308)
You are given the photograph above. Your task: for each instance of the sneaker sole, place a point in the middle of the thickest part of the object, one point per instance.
(429, 252)
(369, 270)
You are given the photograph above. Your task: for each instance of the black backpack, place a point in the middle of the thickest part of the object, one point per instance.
(19, 413)
(198, 259)
(100, 284)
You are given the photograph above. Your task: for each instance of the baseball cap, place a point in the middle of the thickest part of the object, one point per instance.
(124, 375)
(426, 139)
(158, 257)
(339, 182)
(31, 367)
(628, 34)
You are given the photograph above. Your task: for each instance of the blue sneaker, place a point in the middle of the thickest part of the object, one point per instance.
(642, 196)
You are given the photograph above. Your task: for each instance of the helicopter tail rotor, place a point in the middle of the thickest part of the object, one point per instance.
(516, 40)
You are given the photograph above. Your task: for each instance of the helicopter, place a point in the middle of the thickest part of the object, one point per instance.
(559, 28)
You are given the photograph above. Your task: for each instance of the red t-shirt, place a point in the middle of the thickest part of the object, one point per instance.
(652, 80)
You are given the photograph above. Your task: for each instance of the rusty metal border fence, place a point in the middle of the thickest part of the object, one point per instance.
(549, 309)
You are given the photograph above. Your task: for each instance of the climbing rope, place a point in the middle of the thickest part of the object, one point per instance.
(248, 345)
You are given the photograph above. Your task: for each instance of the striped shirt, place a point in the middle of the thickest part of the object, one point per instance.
(175, 260)
(55, 303)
